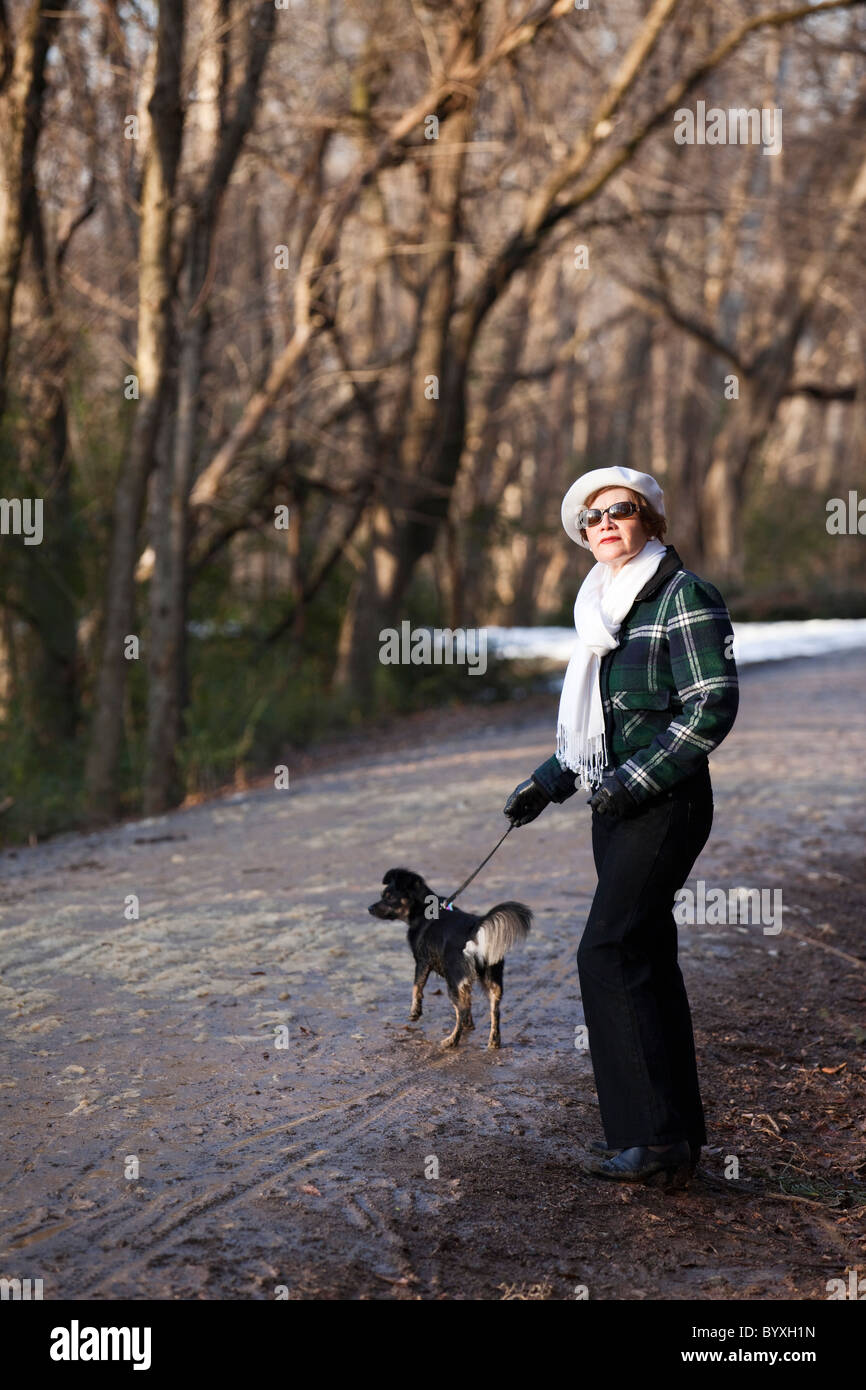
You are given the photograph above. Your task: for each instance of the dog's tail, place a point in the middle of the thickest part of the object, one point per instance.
(497, 932)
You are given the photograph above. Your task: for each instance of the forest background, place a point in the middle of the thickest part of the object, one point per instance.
(309, 315)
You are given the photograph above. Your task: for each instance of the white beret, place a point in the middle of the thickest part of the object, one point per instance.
(598, 478)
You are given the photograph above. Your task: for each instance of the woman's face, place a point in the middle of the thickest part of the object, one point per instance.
(615, 542)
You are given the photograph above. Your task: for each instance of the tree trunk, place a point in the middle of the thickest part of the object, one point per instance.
(21, 122)
(155, 286)
(52, 581)
(214, 152)
(166, 663)
(407, 515)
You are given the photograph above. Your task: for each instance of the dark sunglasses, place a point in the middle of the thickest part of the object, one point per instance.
(618, 512)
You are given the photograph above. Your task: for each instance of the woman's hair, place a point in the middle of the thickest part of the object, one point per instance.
(654, 524)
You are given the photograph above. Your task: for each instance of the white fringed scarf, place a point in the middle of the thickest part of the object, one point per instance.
(602, 602)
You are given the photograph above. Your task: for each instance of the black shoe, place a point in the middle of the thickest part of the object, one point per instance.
(596, 1146)
(670, 1168)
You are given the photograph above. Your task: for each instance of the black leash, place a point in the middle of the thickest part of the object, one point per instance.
(449, 902)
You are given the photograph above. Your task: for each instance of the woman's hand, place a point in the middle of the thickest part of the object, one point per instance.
(612, 798)
(527, 801)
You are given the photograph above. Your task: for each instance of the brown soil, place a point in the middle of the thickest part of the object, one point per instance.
(310, 1166)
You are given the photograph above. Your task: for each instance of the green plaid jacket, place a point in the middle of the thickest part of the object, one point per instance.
(669, 689)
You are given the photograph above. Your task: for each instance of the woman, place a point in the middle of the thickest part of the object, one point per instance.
(650, 690)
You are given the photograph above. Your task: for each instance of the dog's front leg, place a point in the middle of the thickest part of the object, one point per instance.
(421, 974)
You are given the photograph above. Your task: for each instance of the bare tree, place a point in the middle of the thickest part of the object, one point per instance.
(154, 311)
(225, 111)
(22, 86)
(423, 373)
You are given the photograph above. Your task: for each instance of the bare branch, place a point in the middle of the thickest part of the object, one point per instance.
(821, 391)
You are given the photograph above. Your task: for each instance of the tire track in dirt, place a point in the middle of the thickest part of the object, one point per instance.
(416, 1092)
(167, 1213)
(256, 1183)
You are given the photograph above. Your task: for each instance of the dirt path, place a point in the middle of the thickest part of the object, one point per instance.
(304, 1166)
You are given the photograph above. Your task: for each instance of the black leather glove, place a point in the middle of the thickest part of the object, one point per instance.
(526, 802)
(612, 799)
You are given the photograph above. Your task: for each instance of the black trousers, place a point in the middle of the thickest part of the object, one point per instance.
(634, 999)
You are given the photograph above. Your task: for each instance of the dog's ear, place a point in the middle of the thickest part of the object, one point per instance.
(399, 878)
(403, 881)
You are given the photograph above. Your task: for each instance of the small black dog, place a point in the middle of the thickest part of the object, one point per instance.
(459, 946)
